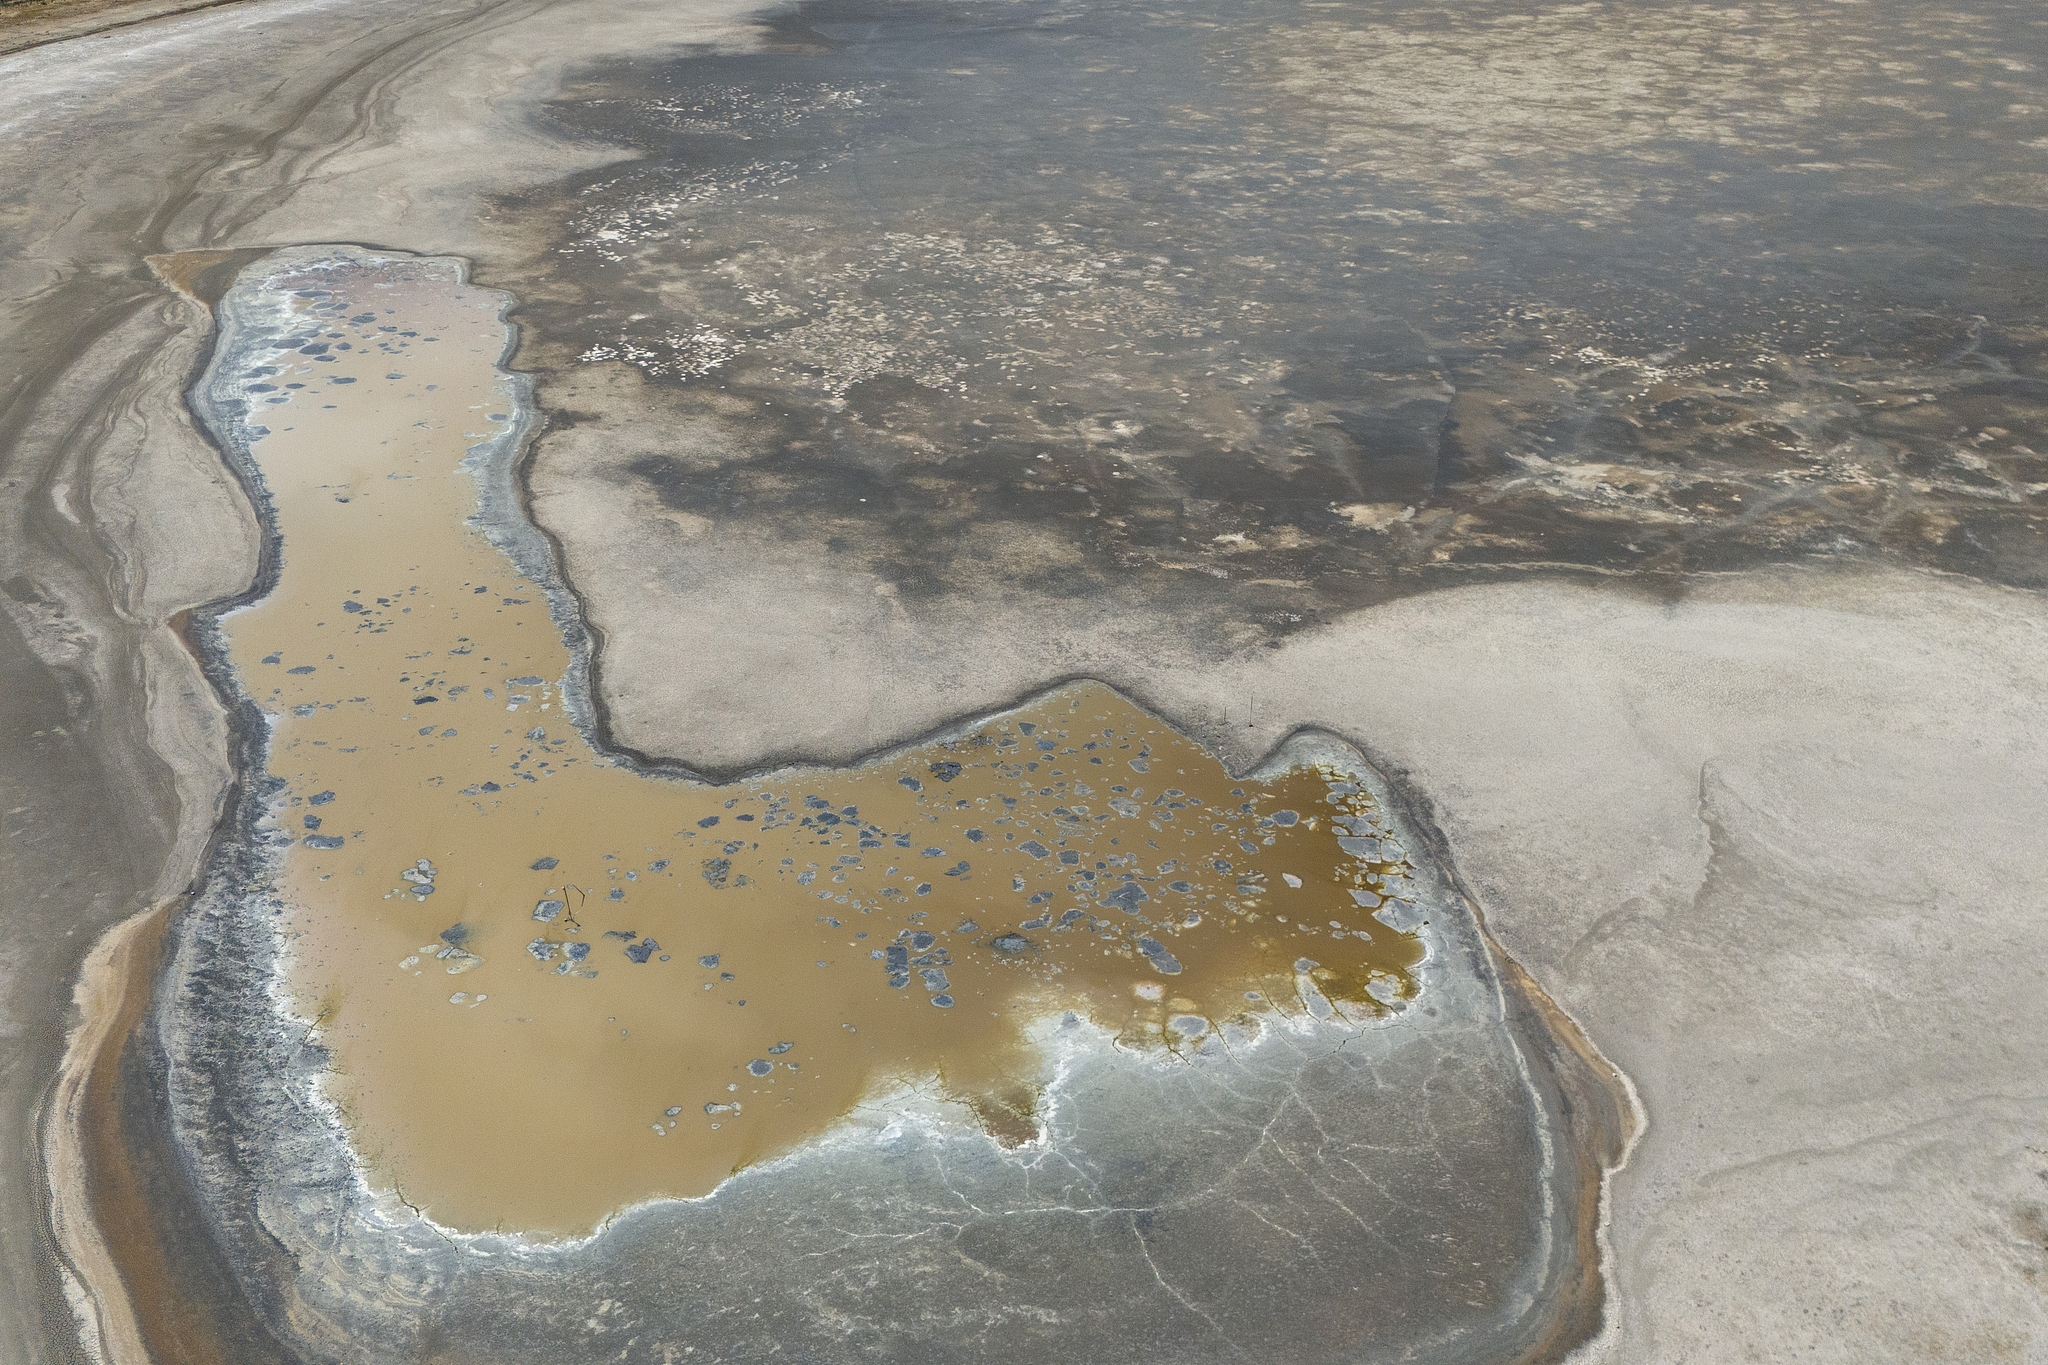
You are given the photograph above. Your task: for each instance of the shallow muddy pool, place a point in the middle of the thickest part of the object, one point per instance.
(553, 984)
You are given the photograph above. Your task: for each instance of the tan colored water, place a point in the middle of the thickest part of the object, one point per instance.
(598, 987)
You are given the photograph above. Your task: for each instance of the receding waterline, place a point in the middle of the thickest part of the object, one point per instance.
(552, 985)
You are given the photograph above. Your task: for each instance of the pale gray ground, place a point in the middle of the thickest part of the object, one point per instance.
(1776, 845)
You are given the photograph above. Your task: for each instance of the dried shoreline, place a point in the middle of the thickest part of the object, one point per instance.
(1617, 805)
(1582, 1301)
(34, 23)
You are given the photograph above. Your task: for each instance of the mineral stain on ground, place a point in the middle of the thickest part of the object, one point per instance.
(552, 985)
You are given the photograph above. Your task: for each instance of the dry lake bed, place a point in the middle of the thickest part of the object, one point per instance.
(963, 681)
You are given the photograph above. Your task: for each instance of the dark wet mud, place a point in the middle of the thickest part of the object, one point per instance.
(1280, 308)
(1225, 1062)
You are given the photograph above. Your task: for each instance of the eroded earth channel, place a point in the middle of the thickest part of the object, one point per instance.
(1045, 1031)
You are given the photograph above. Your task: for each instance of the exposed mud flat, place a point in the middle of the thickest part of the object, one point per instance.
(1321, 1111)
(1713, 827)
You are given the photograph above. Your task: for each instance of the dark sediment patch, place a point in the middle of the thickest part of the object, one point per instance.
(937, 291)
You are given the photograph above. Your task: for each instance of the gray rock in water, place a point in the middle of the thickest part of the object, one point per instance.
(1127, 898)
(1162, 961)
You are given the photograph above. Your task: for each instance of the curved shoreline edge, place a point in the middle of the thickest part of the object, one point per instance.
(1593, 1094)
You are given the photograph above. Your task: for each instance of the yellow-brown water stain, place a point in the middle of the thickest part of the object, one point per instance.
(553, 986)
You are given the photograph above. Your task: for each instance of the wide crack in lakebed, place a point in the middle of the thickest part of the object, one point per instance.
(552, 985)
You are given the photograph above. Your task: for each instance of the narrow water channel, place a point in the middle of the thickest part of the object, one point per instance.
(552, 985)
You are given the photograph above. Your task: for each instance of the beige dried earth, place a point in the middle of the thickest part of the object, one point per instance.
(1773, 840)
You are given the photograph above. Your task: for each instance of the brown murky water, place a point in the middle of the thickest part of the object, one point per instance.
(554, 987)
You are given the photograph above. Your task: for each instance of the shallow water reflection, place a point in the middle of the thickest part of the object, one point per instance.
(554, 985)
